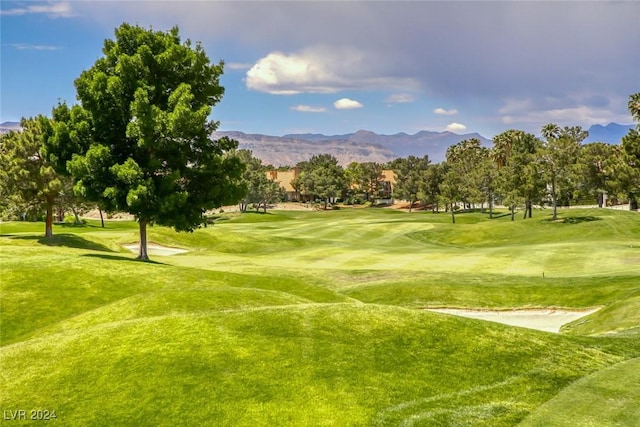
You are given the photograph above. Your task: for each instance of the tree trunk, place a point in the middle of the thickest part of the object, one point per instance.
(48, 227)
(553, 199)
(76, 217)
(410, 205)
(142, 253)
(453, 214)
(490, 205)
(530, 208)
(513, 212)
(101, 217)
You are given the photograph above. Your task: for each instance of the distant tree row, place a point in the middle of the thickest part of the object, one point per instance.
(520, 170)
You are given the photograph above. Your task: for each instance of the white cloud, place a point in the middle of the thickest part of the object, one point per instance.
(400, 98)
(347, 104)
(323, 69)
(237, 66)
(281, 74)
(443, 112)
(23, 46)
(361, 50)
(367, 27)
(51, 9)
(566, 112)
(308, 109)
(456, 127)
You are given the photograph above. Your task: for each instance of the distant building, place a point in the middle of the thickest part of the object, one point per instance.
(388, 182)
(285, 178)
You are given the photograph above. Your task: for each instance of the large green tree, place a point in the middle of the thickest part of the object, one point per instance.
(29, 175)
(594, 175)
(519, 181)
(430, 193)
(451, 187)
(465, 180)
(559, 159)
(322, 177)
(410, 178)
(261, 191)
(631, 146)
(147, 102)
(365, 177)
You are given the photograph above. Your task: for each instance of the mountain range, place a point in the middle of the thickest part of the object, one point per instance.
(364, 145)
(6, 127)
(611, 133)
(361, 146)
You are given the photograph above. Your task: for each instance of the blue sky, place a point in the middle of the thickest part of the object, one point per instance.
(335, 67)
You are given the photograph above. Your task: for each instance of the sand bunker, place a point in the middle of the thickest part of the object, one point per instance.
(548, 320)
(156, 249)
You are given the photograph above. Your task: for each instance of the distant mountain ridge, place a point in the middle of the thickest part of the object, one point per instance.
(360, 146)
(433, 144)
(288, 151)
(364, 145)
(611, 133)
(6, 127)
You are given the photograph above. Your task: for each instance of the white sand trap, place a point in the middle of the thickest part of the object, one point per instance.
(548, 320)
(156, 249)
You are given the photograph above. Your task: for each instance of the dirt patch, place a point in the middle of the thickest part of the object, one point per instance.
(156, 249)
(120, 216)
(548, 320)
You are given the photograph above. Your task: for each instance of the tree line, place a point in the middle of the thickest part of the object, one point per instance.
(519, 171)
(139, 142)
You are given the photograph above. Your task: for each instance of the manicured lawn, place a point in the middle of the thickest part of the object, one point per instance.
(312, 318)
(607, 397)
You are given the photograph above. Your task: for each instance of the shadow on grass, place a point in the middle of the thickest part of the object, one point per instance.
(74, 225)
(574, 219)
(121, 258)
(501, 215)
(67, 240)
(254, 212)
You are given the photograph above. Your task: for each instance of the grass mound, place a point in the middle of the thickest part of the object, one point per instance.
(359, 363)
(310, 318)
(621, 318)
(607, 397)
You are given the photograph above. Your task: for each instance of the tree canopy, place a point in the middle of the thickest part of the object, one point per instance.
(261, 191)
(147, 101)
(29, 173)
(519, 180)
(631, 146)
(559, 158)
(410, 177)
(321, 177)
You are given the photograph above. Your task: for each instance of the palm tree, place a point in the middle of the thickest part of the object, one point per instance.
(559, 155)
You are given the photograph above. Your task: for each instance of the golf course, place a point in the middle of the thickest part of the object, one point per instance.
(322, 318)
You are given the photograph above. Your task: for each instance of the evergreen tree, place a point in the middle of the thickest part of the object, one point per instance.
(147, 101)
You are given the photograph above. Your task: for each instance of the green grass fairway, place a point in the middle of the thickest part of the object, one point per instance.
(618, 387)
(306, 318)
